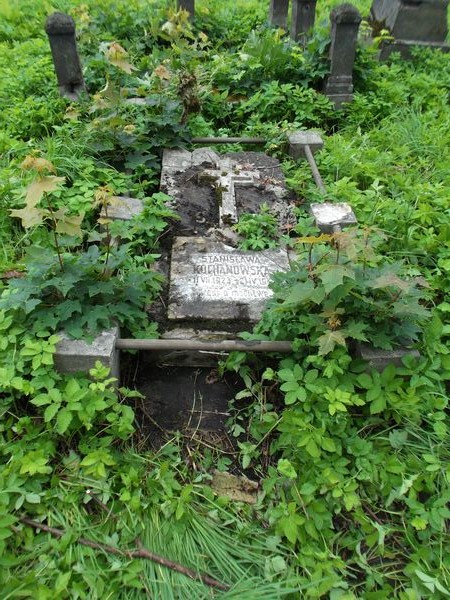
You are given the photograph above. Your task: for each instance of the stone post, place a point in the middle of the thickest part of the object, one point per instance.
(345, 20)
(303, 17)
(60, 29)
(278, 13)
(188, 5)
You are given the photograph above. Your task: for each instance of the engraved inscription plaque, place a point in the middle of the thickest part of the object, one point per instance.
(209, 280)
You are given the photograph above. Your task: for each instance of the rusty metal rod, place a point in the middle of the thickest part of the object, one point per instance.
(315, 171)
(206, 346)
(228, 140)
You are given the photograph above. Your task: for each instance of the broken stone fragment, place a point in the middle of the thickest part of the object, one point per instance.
(122, 208)
(380, 359)
(238, 489)
(329, 216)
(73, 356)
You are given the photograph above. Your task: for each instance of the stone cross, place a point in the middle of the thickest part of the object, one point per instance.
(188, 5)
(303, 17)
(60, 29)
(345, 20)
(278, 13)
(226, 177)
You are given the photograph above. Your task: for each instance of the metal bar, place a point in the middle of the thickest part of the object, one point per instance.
(197, 345)
(315, 171)
(228, 140)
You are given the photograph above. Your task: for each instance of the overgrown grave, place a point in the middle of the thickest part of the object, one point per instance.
(214, 289)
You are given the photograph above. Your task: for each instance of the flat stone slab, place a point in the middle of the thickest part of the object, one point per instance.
(211, 190)
(215, 282)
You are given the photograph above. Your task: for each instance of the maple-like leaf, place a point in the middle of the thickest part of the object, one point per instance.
(104, 221)
(30, 216)
(328, 341)
(302, 293)
(347, 242)
(356, 330)
(104, 196)
(117, 56)
(37, 163)
(38, 188)
(314, 239)
(391, 280)
(334, 275)
(70, 224)
(162, 72)
(72, 113)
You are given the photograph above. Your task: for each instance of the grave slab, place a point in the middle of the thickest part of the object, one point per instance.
(215, 282)
(210, 190)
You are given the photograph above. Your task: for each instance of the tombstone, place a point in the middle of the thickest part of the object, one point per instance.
(278, 13)
(188, 5)
(60, 29)
(412, 23)
(345, 20)
(303, 17)
(211, 280)
(421, 20)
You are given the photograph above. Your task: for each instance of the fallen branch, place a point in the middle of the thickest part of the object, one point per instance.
(140, 553)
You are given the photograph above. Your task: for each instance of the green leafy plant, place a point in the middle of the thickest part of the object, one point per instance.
(78, 291)
(340, 290)
(259, 230)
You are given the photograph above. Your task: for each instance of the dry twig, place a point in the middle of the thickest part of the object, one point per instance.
(140, 553)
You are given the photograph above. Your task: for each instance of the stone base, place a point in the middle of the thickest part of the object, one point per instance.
(339, 89)
(404, 47)
(74, 356)
(380, 359)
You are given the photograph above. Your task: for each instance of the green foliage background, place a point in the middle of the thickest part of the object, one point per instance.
(354, 464)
